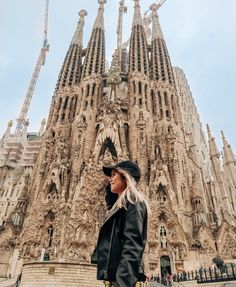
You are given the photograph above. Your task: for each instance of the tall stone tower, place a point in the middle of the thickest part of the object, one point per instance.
(147, 115)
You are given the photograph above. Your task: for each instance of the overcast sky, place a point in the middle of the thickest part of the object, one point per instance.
(200, 36)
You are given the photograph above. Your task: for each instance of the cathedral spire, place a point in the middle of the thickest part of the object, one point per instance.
(78, 36)
(161, 68)
(94, 61)
(212, 144)
(156, 28)
(71, 70)
(99, 22)
(217, 168)
(228, 153)
(137, 19)
(7, 133)
(138, 54)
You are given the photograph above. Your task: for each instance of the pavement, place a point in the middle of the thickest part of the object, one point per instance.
(155, 284)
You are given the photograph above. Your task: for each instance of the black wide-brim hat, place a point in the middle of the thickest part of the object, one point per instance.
(128, 166)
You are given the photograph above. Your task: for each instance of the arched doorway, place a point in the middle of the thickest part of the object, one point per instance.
(165, 265)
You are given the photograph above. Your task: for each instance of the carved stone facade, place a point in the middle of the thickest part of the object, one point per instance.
(147, 115)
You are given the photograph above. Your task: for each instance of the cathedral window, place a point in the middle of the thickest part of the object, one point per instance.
(140, 103)
(50, 235)
(153, 102)
(108, 146)
(65, 103)
(46, 257)
(73, 107)
(88, 88)
(126, 129)
(134, 87)
(52, 191)
(161, 113)
(173, 107)
(140, 88)
(159, 99)
(145, 89)
(165, 98)
(50, 216)
(161, 190)
(97, 129)
(170, 130)
(17, 219)
(12, 191)
(93, 90)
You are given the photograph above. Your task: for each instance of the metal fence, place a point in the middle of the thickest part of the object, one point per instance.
(205, 275)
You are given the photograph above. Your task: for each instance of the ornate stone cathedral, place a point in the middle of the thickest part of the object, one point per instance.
(52, 185)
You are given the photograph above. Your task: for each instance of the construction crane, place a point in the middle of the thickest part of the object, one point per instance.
(147, 19)
(22, 120)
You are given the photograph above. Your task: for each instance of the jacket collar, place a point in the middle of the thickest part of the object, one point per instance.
(110, 214)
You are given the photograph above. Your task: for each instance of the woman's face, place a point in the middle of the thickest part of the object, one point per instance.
(117, 182)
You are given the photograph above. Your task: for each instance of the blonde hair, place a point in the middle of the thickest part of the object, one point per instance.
(131, 193)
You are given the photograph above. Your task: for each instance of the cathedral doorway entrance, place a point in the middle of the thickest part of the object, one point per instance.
(165, 266)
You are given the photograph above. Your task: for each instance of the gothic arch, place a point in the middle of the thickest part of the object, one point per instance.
(52, 191)
(161, 193)
(50, 216)
(108, 144)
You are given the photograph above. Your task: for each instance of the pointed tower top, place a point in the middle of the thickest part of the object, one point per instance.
(156, 28)
(137, 20)
(212, 144)
(8, 131)
(222, 134)
(209, 132)
(10, 124)
(78, 36)
(228, 152)
(99, 22)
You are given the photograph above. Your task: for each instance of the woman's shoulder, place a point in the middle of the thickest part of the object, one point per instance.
(139, 206)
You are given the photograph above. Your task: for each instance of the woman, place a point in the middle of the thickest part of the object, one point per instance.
(123, 235)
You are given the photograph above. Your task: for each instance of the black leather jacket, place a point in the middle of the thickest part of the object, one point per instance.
(121, 244)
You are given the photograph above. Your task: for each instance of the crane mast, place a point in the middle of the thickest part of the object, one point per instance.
(22, 120)
(122, 11)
